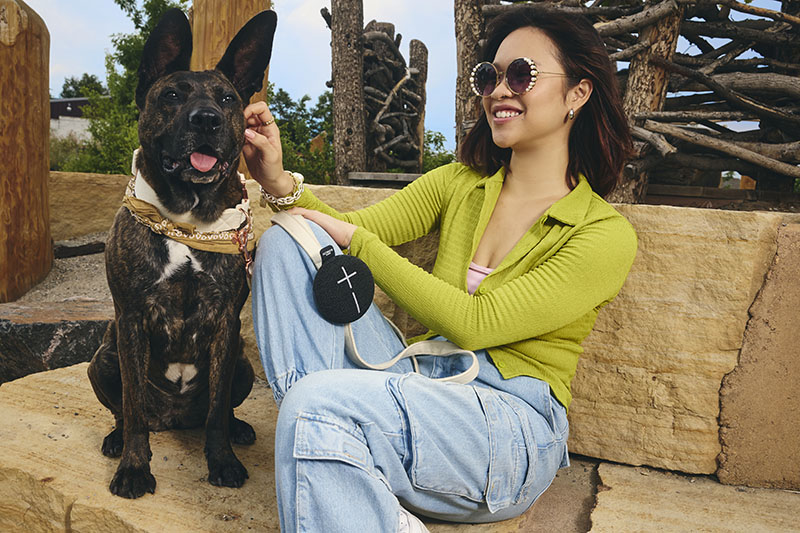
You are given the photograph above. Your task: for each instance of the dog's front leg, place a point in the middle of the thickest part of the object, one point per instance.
(224, 469)
(133, 477)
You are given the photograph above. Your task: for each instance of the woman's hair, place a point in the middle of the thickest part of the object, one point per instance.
(600, 139)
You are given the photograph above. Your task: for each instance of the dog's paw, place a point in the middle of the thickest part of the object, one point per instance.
(228, 473)
(132, 483)
(112, 444)
(242, 432)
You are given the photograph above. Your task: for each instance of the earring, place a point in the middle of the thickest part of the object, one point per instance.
(571, 114)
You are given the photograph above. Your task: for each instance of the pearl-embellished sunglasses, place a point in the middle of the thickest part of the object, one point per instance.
(520, 77)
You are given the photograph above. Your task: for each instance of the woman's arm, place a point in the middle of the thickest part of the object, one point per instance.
(586, 272)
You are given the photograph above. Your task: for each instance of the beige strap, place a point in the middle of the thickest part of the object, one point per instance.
(298, 228)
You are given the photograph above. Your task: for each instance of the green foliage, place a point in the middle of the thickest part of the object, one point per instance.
(434, 153)
(76, 88)
(112, 121)
(300, 126)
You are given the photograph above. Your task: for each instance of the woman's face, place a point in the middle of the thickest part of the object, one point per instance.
(533, 118)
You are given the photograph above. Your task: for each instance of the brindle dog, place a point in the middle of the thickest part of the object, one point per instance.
(172, 358)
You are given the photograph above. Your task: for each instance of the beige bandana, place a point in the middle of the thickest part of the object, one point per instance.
(231, 233)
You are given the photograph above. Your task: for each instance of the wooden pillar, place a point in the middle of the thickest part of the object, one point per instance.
(646, 89)
(214, 25)
(470, 30)
(347, 68)
(26, 250)
(418, 59)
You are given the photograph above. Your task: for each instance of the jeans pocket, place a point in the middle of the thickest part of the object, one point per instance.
(512, 451)
(323, 438)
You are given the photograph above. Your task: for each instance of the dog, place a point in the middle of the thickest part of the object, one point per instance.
(172, 357)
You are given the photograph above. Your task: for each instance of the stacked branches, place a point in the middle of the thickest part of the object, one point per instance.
(742, 71)
(394, 98)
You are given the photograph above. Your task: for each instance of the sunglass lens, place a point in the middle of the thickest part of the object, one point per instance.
(485, 79)
(519, 76)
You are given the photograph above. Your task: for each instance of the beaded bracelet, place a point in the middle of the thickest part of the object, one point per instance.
(284, 200)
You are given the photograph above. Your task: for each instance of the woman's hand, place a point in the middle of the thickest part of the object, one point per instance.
(262, 150)
(339, 230)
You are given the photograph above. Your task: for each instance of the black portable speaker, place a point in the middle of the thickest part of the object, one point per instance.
(343, 287)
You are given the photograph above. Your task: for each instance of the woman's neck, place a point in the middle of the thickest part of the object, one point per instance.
(541, 170)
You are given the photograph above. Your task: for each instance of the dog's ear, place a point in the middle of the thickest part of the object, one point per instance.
(167, 50)
(247, 57)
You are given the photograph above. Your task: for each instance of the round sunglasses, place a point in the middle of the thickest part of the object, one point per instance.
(520, 77)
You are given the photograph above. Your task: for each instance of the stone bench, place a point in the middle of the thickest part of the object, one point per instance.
(692, 368)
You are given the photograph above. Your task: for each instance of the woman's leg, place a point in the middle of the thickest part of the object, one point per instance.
(352, 446)
(293, 339)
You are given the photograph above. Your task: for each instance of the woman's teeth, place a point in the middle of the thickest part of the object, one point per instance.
(506, 114)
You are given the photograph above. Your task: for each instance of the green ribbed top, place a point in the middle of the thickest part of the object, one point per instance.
(533, 311)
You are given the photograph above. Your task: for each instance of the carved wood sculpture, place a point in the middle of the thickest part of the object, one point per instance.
(681, 104)
(376, 83)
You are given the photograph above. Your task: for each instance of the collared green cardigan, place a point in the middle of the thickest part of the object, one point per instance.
(534, 310)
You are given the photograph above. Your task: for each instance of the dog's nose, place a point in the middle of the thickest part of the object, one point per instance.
(205, 119)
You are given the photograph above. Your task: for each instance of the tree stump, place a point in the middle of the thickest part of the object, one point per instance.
(26, 250)
(347, 66)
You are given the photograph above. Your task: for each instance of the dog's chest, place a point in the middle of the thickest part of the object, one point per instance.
(179, 256)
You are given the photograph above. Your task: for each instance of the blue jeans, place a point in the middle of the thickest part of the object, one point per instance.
(353, 445)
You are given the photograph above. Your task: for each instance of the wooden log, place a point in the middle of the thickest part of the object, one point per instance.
(26, 252)
(750, 9)
(646, 18)
(347, 58)
(656, 140)
(694, 116)
(751, 30)
(214, 25)
(418, 60)
(725, 147)
(469, 21)
(733, 97)
(490, 11)
(646, 87)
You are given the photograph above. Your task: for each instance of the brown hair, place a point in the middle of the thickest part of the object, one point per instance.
(600, 139)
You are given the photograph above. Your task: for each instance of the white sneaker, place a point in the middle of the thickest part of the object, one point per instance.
(408, 523)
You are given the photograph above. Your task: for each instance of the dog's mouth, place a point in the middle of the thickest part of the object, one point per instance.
(201, 166)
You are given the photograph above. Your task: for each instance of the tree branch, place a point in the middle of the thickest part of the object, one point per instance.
(725, 147)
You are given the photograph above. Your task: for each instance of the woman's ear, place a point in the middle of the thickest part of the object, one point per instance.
(578, 95)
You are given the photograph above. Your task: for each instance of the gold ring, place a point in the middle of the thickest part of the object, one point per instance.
(267, 123)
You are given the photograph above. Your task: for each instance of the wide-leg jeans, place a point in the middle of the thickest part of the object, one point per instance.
(352, 446)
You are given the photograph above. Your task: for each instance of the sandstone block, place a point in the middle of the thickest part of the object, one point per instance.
(84, 203)
(43, 336)
(53, 476)
(644, 500)
(647, 386)
(759, 401)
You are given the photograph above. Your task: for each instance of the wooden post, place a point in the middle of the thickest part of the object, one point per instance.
(470, 28)
(347, 68)
(26, 250)
(418, 59)
(646, 90)
(214, 25)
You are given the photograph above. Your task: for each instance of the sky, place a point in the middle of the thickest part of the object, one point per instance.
(81, 30)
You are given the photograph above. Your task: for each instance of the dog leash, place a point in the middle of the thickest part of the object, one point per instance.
(297, 227)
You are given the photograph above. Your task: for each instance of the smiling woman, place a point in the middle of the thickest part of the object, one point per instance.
(528, 254)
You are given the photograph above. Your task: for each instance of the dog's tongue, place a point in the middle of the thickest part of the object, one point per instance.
(202, 162)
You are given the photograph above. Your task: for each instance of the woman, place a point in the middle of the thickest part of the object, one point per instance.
(528, 254)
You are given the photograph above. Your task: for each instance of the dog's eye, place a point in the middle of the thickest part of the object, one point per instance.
(228, 99)
(170, 94)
